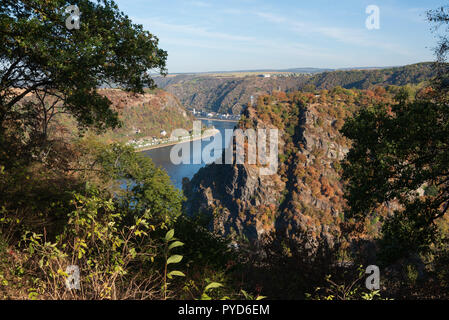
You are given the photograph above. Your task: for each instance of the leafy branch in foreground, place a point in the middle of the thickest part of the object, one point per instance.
(171, 243)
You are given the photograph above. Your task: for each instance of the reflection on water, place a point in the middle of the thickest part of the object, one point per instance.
(161, 156)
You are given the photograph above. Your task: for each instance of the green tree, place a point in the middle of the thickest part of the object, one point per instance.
(398, 152)
(143, 186)
(395, 154)
(41, 56)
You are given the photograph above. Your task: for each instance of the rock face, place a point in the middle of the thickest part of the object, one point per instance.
(227, 193)
(304, 195)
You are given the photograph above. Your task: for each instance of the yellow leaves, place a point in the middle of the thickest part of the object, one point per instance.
(169, 235)
(176, 258)
(175, 244)
(139, 233)
(80, 247)
(212, 285)
(62, 273)
(175, 273)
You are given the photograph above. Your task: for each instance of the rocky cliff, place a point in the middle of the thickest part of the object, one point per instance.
(305, 194)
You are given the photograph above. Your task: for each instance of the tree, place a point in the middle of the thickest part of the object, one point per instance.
(41, 56)
(400, 156)
(396, 151)
(143, 186)
(440, 18)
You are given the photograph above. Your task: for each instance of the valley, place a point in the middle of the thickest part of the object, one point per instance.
(231, 93)
(229, 151)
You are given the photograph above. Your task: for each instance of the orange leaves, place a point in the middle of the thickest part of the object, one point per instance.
(280, 96)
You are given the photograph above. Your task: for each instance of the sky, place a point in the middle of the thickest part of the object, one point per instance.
(229, 35)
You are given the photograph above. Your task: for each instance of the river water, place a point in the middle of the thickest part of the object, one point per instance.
(161, 156)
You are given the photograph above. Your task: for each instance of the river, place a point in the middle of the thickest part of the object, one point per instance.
(161, 156)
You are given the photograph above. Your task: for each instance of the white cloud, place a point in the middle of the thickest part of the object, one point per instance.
(200, 4)
(360, 38)
(232, 11)
(271, 17)
(190, 30)
(351, 36)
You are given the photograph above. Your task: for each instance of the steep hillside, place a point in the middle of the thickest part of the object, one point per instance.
(230, 94)
(305, 195)
(141, 115)
(148, 114)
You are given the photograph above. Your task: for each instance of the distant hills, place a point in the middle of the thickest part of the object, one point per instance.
(230, 91)
(288, 70)
(292, 70)
(364, 79)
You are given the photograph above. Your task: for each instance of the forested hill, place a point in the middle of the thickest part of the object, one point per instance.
(364, 79)
(229, 93)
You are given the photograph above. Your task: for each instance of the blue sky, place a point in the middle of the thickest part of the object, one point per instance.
(209, 35)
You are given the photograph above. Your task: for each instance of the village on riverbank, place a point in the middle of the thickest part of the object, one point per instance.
(153, 142)
(148, 143)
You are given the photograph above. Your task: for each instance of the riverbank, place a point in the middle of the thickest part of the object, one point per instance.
(172, 143)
